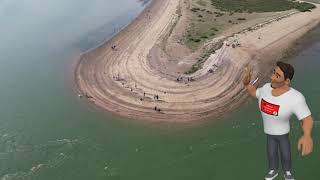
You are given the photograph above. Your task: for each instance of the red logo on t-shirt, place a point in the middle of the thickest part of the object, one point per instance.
(269, 108)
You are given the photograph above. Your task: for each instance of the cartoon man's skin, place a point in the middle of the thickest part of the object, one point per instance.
(280, 87)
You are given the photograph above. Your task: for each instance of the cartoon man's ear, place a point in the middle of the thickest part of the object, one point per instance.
(287, 81)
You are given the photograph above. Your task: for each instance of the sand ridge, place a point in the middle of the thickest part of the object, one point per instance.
(128, 79)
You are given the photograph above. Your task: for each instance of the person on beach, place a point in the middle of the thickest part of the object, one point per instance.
(277, 102)
(113, 47)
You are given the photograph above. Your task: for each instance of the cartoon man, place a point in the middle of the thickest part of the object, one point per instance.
(277, 102)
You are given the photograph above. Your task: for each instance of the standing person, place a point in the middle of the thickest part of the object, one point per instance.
(277, 102)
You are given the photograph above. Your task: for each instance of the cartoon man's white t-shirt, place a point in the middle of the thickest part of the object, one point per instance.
(277, 110)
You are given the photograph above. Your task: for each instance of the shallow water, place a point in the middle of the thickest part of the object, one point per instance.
(46, 132)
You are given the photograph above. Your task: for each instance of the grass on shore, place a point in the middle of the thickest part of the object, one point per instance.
(313, 1)
(260, 5)
(210, 18)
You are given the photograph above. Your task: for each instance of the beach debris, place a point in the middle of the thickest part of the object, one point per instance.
(88, 96)
(227, 43)
(113, 47)
(179, 79)
(235, 43)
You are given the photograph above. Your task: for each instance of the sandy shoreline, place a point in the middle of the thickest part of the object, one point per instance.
(123, 81)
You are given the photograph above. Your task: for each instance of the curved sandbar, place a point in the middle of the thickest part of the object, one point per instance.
(125, 80)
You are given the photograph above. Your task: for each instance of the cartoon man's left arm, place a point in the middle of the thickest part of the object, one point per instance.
(305, 143)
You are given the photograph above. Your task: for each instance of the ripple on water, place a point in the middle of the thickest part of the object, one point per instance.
(53, 154)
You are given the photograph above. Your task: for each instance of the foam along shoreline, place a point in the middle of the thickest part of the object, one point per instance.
(122, 81)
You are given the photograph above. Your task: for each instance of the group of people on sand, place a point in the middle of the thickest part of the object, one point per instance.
(155, 97)
(157, 109)
(182, 78)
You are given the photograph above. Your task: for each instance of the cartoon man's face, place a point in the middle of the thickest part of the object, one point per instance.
(277, 78)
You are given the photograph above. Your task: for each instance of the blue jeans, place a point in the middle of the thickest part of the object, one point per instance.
(274, 144)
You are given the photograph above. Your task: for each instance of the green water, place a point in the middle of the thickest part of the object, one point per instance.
(46, 132)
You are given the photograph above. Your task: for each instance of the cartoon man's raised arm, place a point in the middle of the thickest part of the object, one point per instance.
(246, 82)
(305, 143)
